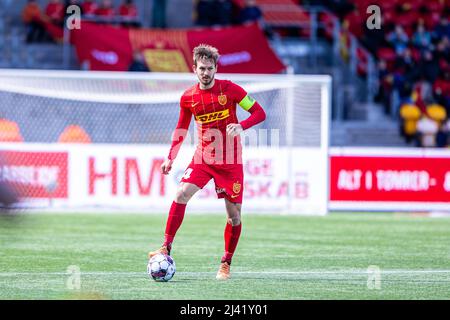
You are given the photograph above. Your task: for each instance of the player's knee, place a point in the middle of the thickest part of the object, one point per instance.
(182, 196)
(235, 220)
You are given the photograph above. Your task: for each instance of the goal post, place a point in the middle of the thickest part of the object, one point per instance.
(129, 119)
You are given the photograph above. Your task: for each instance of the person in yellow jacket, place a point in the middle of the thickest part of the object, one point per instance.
(437, 112)
(33, 18)
(409, 114)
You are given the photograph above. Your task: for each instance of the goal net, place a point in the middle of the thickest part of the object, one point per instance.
(73, 140)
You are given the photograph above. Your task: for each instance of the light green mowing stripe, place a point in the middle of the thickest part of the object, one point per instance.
(278, 257)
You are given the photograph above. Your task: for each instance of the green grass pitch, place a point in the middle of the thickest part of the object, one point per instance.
(278, 257)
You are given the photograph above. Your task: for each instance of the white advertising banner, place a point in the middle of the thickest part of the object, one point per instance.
(128, 177)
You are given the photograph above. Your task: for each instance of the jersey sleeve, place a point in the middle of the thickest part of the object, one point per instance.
(257, 115)
(181, 129)
(241, 97)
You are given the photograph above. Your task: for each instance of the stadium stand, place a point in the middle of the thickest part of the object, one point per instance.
(376, 72)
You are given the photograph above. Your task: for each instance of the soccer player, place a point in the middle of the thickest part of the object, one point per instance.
(218, 155)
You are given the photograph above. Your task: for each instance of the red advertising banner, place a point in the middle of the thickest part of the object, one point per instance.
(36, 174)
(243, 49)
(390, 179)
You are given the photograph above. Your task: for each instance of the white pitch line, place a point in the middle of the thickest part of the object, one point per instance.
(351, 272)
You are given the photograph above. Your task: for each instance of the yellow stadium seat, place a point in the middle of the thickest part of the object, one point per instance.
(74, 134)
(9, 131)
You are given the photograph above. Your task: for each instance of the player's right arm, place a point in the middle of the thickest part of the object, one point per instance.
(177, 137)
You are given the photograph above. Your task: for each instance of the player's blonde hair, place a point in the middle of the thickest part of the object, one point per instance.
(207, 52)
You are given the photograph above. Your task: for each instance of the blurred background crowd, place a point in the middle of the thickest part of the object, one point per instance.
(409, 54)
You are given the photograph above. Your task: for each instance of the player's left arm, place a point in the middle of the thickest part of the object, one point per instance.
(257, 113)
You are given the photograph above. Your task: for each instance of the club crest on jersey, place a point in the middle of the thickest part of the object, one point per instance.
(222, 99)
(236, 187)
(213, 116)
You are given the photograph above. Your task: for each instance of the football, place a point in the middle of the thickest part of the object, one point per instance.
(161, 267)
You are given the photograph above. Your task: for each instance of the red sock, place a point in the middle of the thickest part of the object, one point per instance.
(231, 235)
(176, 215)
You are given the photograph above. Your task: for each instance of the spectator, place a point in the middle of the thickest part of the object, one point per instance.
(442, 136)
(398, 39)
(341, 7)
(422, 93)
(442, 52)
(442, 139)
(441, 89)
(437, 113)
(442, 30)
(250, 12)
(213, 12)
(409, 115)
(374, 39)
(106, 10)
(138, 64)
(404, 62)
(429, 67)
(427, 130)
(386, 81)
(204, 10)
(159, 14)
(223, 12)
(128, 13)
(421, 38)
(55, 12)
(89, 8)
(32, 17)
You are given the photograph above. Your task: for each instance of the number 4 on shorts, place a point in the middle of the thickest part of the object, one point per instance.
(187, 173)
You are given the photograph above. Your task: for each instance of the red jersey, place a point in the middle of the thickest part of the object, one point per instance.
(213, 109)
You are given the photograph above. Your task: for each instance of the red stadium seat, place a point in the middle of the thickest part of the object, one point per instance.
(387, 54)
(388, 18)
(431, 20)
(355, 23)
(435, 5)
(442, 87)
(415, 53)
(327, 20)
(413, 5)
(408, 18)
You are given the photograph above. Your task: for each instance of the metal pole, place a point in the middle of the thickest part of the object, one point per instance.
(313, 38)
(66, 47)
(336, 40)
(290, 141)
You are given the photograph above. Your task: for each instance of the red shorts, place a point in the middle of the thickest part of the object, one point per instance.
(228, 178)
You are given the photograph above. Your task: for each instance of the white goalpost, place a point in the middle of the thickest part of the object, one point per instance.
(130, 117)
